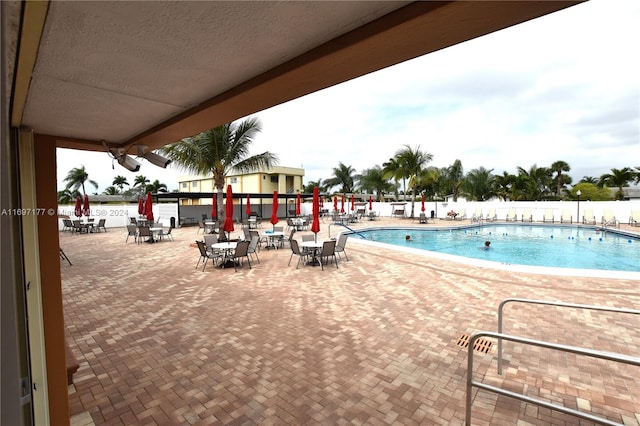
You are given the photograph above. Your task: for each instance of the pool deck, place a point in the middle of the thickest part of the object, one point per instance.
(373, 342)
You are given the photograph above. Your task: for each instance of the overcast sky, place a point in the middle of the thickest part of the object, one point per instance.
(562, 87)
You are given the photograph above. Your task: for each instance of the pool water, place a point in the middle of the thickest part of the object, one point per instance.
(535, 245)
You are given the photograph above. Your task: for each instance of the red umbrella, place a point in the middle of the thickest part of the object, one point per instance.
(86, 210)
(353, 202)
(422, 202)
(342, 204)
(78, 209)
(274, 209)
(248, 211)
(228, 212)
(214, 206)
(140, 205)
(315, 225)
(335, 202)
(148, 208)
(370, 202)
(298, 205)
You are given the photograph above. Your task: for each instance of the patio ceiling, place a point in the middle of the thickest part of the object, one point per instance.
(151, 73)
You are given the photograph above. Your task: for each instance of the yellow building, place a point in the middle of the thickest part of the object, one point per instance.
(285, 180)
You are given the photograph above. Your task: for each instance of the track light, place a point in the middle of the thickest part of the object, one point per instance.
(128, 163)
(156, 159)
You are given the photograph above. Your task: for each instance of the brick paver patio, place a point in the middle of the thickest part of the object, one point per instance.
(372, 342)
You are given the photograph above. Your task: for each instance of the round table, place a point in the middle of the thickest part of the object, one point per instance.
(315, 247)
(227, 247)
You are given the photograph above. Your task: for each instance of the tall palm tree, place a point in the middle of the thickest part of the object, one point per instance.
(503, 185)
(478, 184)
(413, 161)
(141, 180)
(561, 179)
(537, 181)
(454, 178)
(393, 170)
(120, 182)
(77, 177)
(111, 190)
(156, 187)
(308, 188)
(344, 177)
(618, 178)
(66, 196)
(218, 151)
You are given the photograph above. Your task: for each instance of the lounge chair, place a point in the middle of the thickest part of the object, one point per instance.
(511, 215)
(526, 216)
(589, 218)
(548, 216)
(608, 217)
(566, 217)
(491, 216)
(422, 218)
(462, 215)
(477, 215)
(634, 219)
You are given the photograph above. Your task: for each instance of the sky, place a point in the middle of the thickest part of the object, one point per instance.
(562, 87)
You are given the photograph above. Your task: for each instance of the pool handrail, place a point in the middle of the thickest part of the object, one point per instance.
(610, 356)
(550, 303)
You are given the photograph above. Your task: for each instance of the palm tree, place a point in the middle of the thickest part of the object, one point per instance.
(141, 180)
(373, 180)
(536, 182)
(77, 177)
(218, 151)
(392, 170)
(618, 178)
(589, 179)
(66, 196)
(111, 190)
(478, 184)
(343, 176)
(454, 177)
(156, 187)
(120, 182)
(308, 188)
(412, 162)
(561, 179)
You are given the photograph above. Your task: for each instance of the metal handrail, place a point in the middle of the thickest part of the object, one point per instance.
(550, 303)
(610, 356)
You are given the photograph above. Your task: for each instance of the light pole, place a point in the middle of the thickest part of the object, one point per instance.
(578, 193)
(436, 197)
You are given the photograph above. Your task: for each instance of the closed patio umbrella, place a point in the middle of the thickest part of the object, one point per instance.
(422, 202)
(342, 204)
(228, 213)
(78, 208)
(335, 203)
(140, 206)
(274, 209)
(353, 202)
(370, 203)
(148, 208)
(86, 210)
(248, 210)
(315, 224)
(298, 205)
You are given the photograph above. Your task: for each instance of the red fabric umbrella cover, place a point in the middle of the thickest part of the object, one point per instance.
(228, 211)
(298, 205)
(370, 202)
(335, 202)
(274, 209)
(353, 202)
(214, 206)
(342, 204)
(248, 211)
(315, 224)
(78, 209)
(86, 210)
(422, 202)
(148, 207)
(140, 205)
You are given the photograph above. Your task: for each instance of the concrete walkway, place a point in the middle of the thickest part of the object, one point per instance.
(371, 342)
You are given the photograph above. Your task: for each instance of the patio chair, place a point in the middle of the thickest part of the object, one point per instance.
(210, 239)
(511, 215)
(133, 221)
(422, 218)
(566, 217)
(200, 227)
(63, 256)
(340, 246)
(67, 225)
(308, 238)
(477, 215)
(462, 215)
(526, 216)
(241, 251)
(206, 254)
(78, 227)
(261, 240)
(132, 231)
(491, 216)
(589, 218)
(253, 244)
(143, 231)
(634, 219)
(548, 216)
(295, 250)
(100, 225)
(166, 234)
(328, 251)
(608, 216)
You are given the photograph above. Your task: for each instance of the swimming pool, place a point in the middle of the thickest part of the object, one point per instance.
(534, 245)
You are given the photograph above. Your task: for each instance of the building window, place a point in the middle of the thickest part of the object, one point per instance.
(274, 179)
(194, 184)
(233, 180)
(184, 184)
